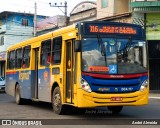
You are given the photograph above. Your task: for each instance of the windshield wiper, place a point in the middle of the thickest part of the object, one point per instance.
(103, 48)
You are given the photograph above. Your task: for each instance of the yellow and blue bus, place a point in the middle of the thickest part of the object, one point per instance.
(85, 65)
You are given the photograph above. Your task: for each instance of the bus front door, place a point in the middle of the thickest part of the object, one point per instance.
(69, 72)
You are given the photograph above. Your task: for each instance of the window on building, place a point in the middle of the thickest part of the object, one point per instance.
(18, 58)
(104, 3)
(46, 52)
(25, 22)
(2, 40)
(26, 57)
(56, 50)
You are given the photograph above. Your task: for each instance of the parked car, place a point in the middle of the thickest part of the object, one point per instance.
(2, 84)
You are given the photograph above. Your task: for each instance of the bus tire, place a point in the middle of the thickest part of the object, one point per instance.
(18, 98)
(58, 108)
(115, 109)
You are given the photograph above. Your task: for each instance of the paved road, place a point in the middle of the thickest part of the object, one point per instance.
(41, 110)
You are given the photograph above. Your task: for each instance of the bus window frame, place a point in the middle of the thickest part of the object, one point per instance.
(19, 58)
(12, 60)
(45, 61)
(55, 50)
(8, 56)
(23, 57)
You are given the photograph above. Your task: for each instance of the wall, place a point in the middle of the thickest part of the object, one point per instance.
(121, 6)
(105, 12)
(84, 11)
(123, 20)
(15, 34)
(13, 31)
(84, 15)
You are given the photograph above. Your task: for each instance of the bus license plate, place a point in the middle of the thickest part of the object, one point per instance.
(116, 98)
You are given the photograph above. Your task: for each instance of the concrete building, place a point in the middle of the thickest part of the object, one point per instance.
(84, 11)
(14, 27)
(50, 24)
(107, 8)
(114, 10)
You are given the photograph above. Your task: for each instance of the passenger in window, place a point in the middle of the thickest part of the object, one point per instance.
(23, 64)
(48, 58)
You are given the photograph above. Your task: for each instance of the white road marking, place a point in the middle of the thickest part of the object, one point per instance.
(154, 97)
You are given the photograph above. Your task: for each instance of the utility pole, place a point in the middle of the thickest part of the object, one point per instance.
(35, 19)
(65, 10)
(65, 6)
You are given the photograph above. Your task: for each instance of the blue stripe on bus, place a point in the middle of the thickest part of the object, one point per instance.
(115, 85)
(26, 80)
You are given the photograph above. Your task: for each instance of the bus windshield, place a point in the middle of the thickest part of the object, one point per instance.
(114, 55)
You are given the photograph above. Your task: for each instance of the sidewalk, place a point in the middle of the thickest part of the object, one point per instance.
(154, 94)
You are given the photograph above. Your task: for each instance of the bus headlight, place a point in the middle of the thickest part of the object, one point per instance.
(84, 85)
(144, 85)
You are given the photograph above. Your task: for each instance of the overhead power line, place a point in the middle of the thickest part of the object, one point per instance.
(65, 9)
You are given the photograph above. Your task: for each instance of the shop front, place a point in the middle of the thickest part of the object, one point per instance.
(153, 38)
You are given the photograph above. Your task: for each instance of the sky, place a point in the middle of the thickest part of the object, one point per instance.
(43, 7)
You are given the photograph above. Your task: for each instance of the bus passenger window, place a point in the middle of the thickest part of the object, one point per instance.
(18, 58)
(12, 60)
(26, 57)
(8, 56)
(45, 52)
(48, 58)
(56, 50)
(23, 64)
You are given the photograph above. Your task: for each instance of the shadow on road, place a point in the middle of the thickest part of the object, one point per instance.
(99, 112)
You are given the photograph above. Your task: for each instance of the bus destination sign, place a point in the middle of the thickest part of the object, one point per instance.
(112, 29)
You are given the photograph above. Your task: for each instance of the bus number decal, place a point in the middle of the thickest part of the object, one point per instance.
(93, 28)
(45, 75)
(24, 75)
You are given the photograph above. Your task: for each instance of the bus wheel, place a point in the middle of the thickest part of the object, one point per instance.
(115, 109)
(18, 98)
(58, 108)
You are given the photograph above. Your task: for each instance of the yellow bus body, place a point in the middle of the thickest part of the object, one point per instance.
(79, 98)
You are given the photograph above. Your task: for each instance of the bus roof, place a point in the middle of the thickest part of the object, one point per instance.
(44, 36)
(60, 31)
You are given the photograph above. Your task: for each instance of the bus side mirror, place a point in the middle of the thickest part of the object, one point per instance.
(77, 46)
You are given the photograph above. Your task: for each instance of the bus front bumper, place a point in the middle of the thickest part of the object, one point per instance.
(92, 99)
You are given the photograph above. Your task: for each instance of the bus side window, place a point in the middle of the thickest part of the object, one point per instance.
(18, 58)
(45, 52)
(26, 57)
(56, 50)
(8, 56)
(12, 60)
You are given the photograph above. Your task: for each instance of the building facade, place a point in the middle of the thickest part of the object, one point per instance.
(107, 8)
(14, 27)
(50, 24)
(84, 11)
(147, 14)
